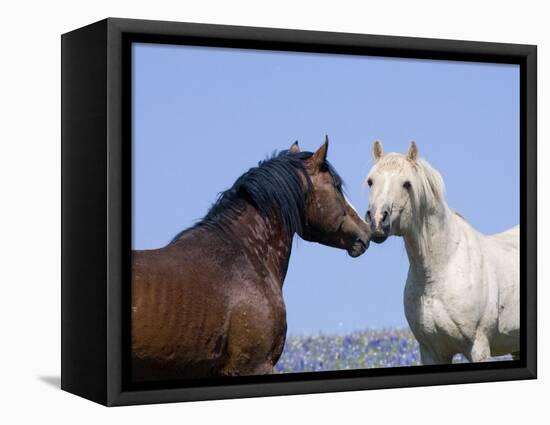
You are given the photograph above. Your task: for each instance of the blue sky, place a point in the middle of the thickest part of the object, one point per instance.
(202, 116)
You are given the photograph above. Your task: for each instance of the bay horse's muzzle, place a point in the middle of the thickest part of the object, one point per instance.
(358, 247)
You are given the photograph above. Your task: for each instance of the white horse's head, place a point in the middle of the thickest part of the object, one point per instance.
(403, 189)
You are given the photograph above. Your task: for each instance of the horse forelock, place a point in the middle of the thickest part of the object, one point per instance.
(393, 162)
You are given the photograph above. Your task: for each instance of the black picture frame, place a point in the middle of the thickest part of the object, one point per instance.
(96, 226)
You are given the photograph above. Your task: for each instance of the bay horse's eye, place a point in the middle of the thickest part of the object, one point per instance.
(407, 185)
(369, 182)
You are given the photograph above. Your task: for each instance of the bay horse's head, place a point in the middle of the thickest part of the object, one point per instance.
(329, 217)
(404, 189)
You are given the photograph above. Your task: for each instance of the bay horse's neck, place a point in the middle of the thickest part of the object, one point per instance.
(264, 240)
(430, 242)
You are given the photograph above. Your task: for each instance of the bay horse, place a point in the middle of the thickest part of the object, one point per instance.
(462, 289)
(210, 303)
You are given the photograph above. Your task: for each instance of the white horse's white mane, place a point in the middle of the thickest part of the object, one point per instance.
(428, 191)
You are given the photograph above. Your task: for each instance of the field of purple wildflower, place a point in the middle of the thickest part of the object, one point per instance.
(356, 350)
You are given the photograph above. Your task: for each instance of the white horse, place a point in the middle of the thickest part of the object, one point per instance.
(462, 290)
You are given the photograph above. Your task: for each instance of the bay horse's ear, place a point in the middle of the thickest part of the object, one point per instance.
(320, 156)
(295, 148)
(412, 154)
(377, 150)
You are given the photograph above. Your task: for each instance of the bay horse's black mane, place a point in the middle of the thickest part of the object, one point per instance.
(275, 186)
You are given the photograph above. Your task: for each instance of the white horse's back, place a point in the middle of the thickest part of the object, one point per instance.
(508, 237)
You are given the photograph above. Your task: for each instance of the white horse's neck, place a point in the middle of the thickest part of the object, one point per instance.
(431, 242)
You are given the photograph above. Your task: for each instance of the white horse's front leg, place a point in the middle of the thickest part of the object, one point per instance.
(428, 357)
(481, 350)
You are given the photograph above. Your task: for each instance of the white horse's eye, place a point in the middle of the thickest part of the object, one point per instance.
(407, 185)
(369, 182)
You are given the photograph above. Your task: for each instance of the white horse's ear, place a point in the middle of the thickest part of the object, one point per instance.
(377, 151)
(295, 148)
(412, 154)
(320, 156)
